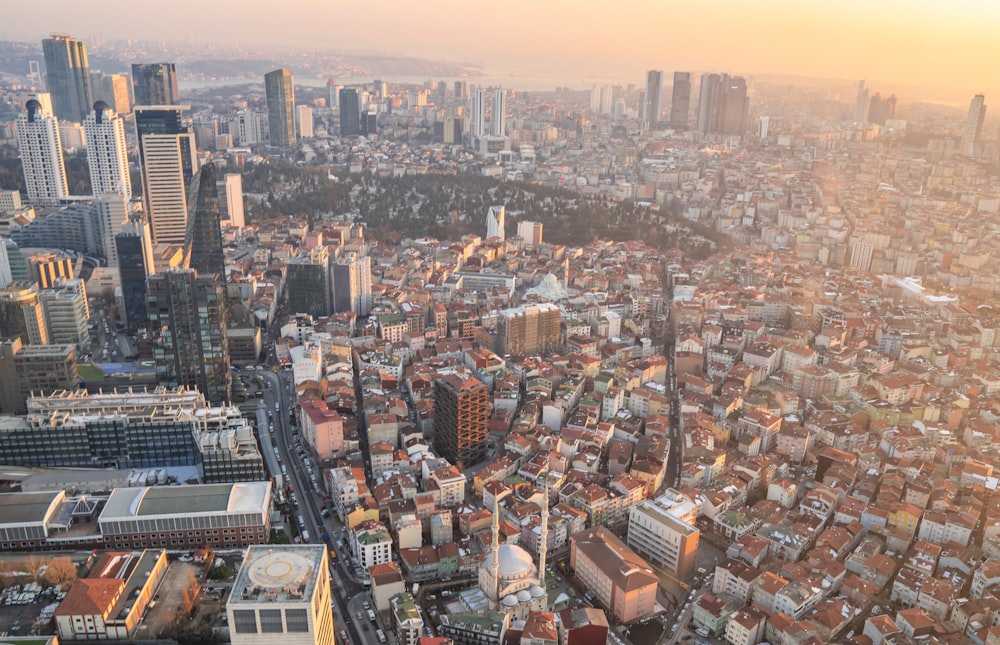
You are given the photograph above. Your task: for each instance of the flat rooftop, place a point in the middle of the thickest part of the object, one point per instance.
(245, 497)
(26, 508)
(278, 573)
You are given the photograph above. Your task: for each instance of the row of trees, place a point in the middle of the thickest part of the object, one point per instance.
(59, 571)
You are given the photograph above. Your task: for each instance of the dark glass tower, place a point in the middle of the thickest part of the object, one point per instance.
(204, 247)
(188, 318)
(280, 91)
(155, 84)
(350, 112)
(134, 265)
(680, 100)
(67, 75)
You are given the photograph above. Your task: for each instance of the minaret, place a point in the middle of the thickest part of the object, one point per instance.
(496, 549)
(543, 545)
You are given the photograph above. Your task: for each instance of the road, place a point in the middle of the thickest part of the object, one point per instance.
(348, 597)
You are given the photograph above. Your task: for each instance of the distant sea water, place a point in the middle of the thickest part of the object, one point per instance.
(516, 80)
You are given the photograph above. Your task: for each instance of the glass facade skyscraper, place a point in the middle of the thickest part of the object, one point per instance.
(280, 91)
(155, 84)
(67, 75)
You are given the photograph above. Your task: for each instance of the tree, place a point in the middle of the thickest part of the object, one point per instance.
(34, 565)
(60, 572)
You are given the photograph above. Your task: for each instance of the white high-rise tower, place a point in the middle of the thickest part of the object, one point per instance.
(973, 126)
(40, 145)
(495, 222)
(477, 115)
(498, 126)
(107, 154)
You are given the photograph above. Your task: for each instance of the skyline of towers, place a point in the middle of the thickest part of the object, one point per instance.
(155, 84)
(279, 88)
(680, 100)
(40, 145)
(350, 112)
(107, 153)
(67, 77)
(973, 128)
(651, 105)
(168, 159)
(188, 317)
(722, 104)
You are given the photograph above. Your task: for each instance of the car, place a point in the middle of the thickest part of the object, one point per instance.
(359, 615)
(365, 625)
(343, 635)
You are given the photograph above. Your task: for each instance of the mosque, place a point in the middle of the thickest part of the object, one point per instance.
(509, 578)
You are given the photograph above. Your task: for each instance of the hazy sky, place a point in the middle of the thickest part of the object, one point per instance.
(947, 43)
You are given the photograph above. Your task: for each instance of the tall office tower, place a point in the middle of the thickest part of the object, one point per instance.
(530, 232)
(282, 594)
(116, 89)
(231, 200)
(607, 99)
(248, 128)
(680, 100)
(67, 75)
(204, 236)
(350, 112)
(135, 263)
(973, 128)
(762, 126)
(304, 118)
(441, 96)
(880, 110)
(35, 369)
(21, 314)
(461, 417)
(167, 156)
(188, 318)
(618, 111)
(861, 253)
(498, 122)
(722, 104)
(369, 124)
(595, 98)
(67, 316)
(380, 89)
(332, 93)
(280, 91)
(107, 154)
(351, 278)
(6, 276)
(307, 282)
(108, 213)
(477, 115)
(861, 103)
(462, 91)
(529, 329)
(40, 145)
(651, 101)
(155, 84)
(495, 224)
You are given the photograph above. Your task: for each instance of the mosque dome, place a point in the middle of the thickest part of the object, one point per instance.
(523, 595)
(509, 601)
(536, 591)
(514, 561)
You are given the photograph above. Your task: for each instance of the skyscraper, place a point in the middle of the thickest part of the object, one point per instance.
(461, 417)
(40, 145)
(307, 282)
(651, 101)
(168, 159)
(135, 264)
(880, 110)
(21, 314)
(351, 279)
(204, 236)
(680, 100)
(722, 104)
(155, 84)
(498, 125)
(350, 112)
(107, 154)
(861, 104)
(67, 75)
(304, 115)
(495, 222)
(477, 115)
(188, 318)
(231, 196)
(973, 128)
(280, 91)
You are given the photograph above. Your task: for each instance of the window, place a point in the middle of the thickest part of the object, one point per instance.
(270, 621)
(245, 621)
(297, 620)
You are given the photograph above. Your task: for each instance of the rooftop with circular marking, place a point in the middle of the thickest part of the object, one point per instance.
(281, 569)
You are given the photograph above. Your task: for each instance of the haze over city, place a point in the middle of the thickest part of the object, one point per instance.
(924, 43)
